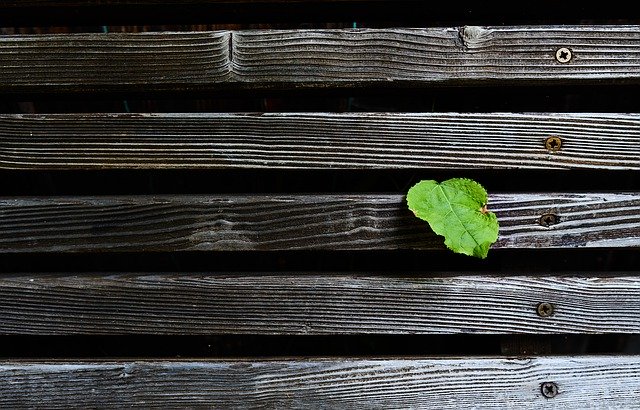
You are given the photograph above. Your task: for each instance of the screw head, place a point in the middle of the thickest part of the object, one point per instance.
(563, 55)
(553, 143)
(547, 220)
(545, 309)
(549, 389)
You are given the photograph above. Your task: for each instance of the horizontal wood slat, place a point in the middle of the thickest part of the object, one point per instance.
(118, 304)
(582, 382)
(191, 61)
(172, 223)
(314, 141)
(436, 55)
(115, 61)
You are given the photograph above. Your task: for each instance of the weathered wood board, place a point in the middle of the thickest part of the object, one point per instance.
(301, 304)
(320, 141)
(200, 61)
(582, 382)
(296, 222)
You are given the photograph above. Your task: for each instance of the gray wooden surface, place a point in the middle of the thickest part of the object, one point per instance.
(583, 382)
(319, 140)
(189, 61)
(264, 222)
(192, 303)
(115, 61)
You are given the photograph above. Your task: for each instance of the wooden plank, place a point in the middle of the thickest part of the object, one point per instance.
(315, 141)
(582, 382)
(299, 304)
(332, 222)
(465, 55)
(115, 61)
(200, 61)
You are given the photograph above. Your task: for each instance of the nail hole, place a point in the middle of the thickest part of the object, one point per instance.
(547, 220)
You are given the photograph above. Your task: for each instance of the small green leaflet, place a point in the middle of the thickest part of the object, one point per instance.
(456, 209)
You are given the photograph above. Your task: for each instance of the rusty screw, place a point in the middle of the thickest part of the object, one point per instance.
(563, 55)
(553, 144)
(547, 220)
(545, 309)
(549, 389)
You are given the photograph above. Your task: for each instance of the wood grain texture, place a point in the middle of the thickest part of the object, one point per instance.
(332, 222)
(583, 382)
(197, 61)
(437, 55)
(117, 304)
(316, 141)
(112, 62)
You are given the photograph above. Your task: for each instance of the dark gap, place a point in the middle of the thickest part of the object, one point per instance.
(241, 346)
(399, 263)
(411, 98)
(399, 12)
(535, 345)
(285, 182)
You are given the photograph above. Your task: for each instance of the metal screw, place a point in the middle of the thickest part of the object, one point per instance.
(549, 219)
(545, 309)
(549, 389)
(553, 143)
(563, 55)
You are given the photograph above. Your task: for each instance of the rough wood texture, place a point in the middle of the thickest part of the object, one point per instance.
(115, 61)
(599, 141)
(195, 61)
(437, 55)
(212, 304)
(583, 382)
(172, 223)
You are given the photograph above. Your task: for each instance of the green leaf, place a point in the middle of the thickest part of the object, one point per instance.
(456, 209)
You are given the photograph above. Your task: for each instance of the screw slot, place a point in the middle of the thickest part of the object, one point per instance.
(549, 390)
(553, 144)
(563, 55)
(547, 220)
(545, 309)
